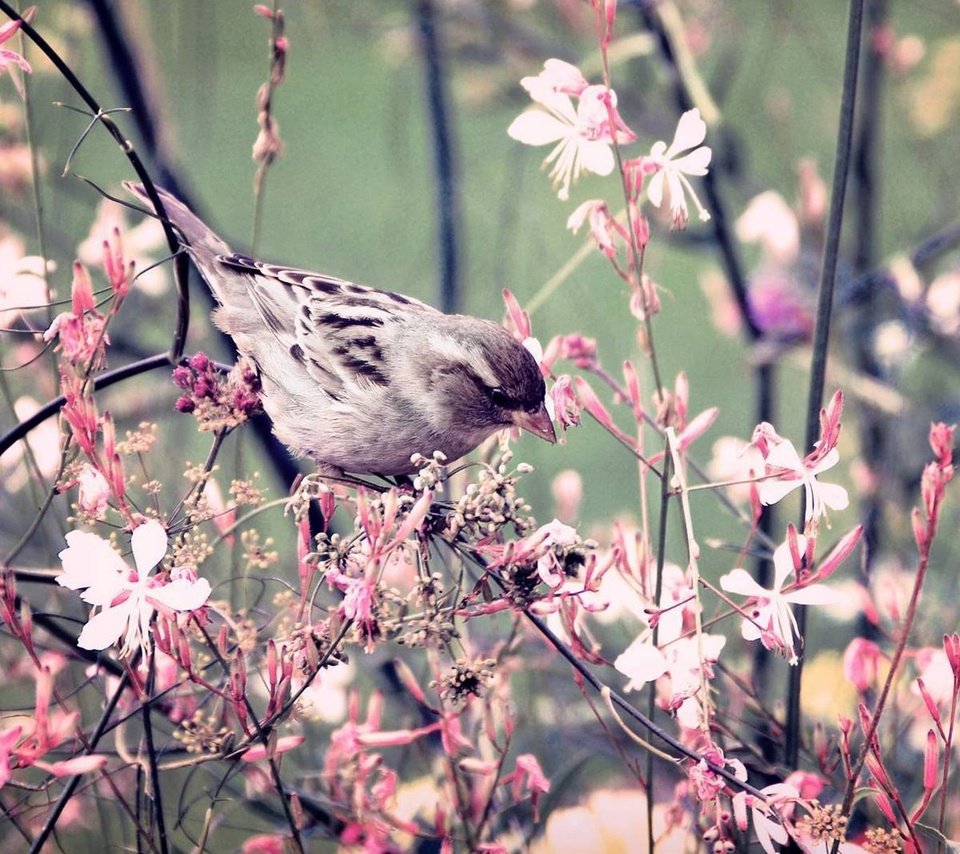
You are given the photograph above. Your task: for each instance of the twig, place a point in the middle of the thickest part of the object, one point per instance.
(821, 336)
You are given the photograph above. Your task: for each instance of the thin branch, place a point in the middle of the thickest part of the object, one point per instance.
(821, 337)
(444, 159)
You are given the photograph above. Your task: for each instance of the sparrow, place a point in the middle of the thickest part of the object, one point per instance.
(360, 379)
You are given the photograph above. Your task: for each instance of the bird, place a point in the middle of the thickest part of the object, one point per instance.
(358, 379)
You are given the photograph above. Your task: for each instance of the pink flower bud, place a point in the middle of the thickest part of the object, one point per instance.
(72, 767)
(861, 663)
(581, 351)
(282, 745)
(517, 316)
(81, 291)
(590, 402)
(941, 440)
(930, 763)
(951, 646)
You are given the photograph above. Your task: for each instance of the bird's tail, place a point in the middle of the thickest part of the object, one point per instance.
(196, 233)
(203, 244)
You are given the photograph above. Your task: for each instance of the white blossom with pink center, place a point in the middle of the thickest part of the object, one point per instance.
(126, 598)
(771, 619)
(582, 135)
(794, 472)
(669, 184)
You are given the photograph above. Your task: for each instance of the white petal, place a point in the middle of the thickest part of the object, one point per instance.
(833, 495)
(85, 559)
(557, 103)
(815, 594)
(536, 127)
(694, 163)
(149, 542)
(181, 595)
(830, 459)
(782, 565)
(691, 131)
(655, 189)
(785, 456)
(771, 491)
(740, 581)
(712, 646)
(642, 662)
(104, 629)
(749, 630)
(678, 201)
(596, 157)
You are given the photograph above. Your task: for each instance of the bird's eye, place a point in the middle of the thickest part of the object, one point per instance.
(499, 398)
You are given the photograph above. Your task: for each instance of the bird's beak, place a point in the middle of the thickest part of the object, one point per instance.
(538, 423)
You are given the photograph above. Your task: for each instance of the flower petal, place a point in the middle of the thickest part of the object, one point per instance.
(815, 594)
(596, 156)
(655, 189)
(833, 495)
(149, 543)
(694, 163)
(785, 456)
(740, 581)
(691, 131)
(642, 662)
(535, 127)
(181, 595)
(87, 560)
(771, 491)
(104, 629)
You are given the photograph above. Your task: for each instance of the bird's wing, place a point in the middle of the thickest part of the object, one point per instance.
(333, 328)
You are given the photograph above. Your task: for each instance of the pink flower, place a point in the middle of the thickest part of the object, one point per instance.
(557, 77)
(141, 243)
(566, 408)
(581, 135)
(792, 472)
(94, 492)
(861, 663)
(769, 221)
(669, 184)
(9, 57)
(771, 618)
(603, 227)
(282, 745)
(780, 306)
(126, 598)
(527, 777)
(81, 333)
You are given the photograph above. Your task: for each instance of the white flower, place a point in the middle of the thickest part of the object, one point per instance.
(670, 183)
(127, 598)
(819, 496)
(771, 618)
(22, 287)
(583, 134)
(766, 822)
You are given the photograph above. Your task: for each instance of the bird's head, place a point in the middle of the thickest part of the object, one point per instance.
(485, 379)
